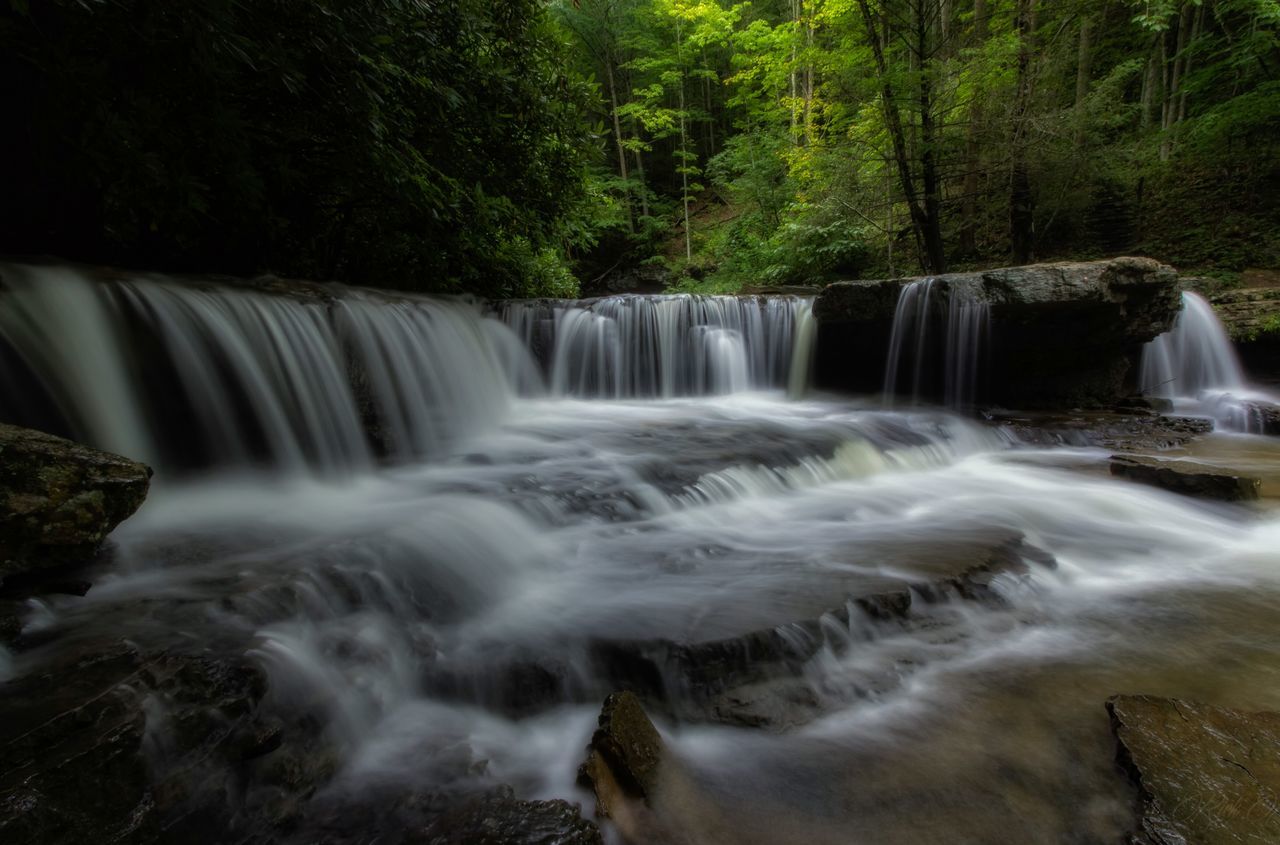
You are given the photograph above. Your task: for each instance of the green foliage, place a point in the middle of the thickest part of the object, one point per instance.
(390, 142)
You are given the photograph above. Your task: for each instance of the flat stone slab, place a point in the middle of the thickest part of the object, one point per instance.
(1187, 477)
(1206, 775)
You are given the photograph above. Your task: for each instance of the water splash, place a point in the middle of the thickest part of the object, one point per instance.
(1195, 366)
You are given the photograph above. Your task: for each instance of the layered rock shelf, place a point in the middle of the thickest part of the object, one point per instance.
(1205, 774)
(1061, 335)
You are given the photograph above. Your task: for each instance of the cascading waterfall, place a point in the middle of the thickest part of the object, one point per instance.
(916, 357)
(192, 375)
(1196, 367)
(433, 630)
(1194, 357)
(172, 373)
(666, 346)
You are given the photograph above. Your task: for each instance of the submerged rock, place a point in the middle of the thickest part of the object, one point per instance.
(500, 819)
(1205, 775)
(59, 500)
(1121, 429)
(1061, 335)
(754, 678)
(1187, 478)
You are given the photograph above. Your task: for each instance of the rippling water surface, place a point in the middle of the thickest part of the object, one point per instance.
(700, 519)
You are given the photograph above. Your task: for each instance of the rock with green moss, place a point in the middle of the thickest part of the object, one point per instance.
(59, 500)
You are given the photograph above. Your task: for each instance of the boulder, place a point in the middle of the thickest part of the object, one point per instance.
(1187, 478)
(1061, 335)
(1204, 774)
(59, 500)
(625, 762)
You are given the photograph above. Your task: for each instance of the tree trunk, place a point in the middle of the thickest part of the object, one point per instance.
(1151, 86)
(893, 120)
(1186, 65)
(1084, 63)
(1021, 200)
(972, 152)
(617, 138)
(1175, 82)
(929, 152)
(684, 149)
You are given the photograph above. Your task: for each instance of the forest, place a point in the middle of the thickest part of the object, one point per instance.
(545, 148)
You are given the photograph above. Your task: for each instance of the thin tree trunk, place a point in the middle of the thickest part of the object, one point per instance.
(1186, 65)
(1150, 86)
(617, 138)
(928, 152)
(1084, 71)
(808, 81)
(1021, 200)
(893, 120)
(684, 148)
(1175, 82)
(795, 16)
(972, 152)
(706, 104)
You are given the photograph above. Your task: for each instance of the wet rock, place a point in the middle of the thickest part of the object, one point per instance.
(1187, 478)
(117, 745)
(623, 761)
(1205, 775)
(627, 747)
(1261, 418)
(500, 819)
(59, 500)
(750, 678)
(1062, 335)
(1124, 431)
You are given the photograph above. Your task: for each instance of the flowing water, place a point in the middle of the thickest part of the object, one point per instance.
(938, 345)
(1196, 367)
(399, 588)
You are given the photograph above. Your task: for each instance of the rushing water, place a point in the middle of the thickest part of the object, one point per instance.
(1196, 367)
(399, 604)
(937, 345)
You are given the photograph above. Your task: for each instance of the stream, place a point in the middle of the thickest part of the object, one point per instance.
(559, 480)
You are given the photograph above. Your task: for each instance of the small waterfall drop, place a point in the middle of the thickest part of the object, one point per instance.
(664, 346)
(1196, 367)
(186, 375)
(1196, 356)
(196, 375)
(920, 366)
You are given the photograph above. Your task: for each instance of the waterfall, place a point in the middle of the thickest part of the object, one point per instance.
(1194, 357)
(1196, 366)
(665, 346)
(192, 375)
(915, 351)
(184, 375)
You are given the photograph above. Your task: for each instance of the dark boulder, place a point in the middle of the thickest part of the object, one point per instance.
(1187, 478)
(59, 500)
(1204, 774)
(500, 819)
(1061, 335)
